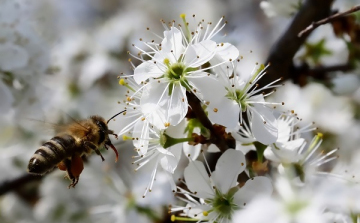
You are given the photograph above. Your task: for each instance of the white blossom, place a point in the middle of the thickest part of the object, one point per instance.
(243, 95)
(216, 198)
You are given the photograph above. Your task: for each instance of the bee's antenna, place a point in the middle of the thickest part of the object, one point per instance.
(115, 116)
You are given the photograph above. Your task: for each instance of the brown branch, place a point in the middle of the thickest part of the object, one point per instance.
(314, 25)
(18, 182)
(200, 114)
(283, 51)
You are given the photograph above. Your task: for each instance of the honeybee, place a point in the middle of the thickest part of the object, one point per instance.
(72, 143)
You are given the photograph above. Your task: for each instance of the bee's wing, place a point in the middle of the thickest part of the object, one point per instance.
(74, 125)
(42, 126)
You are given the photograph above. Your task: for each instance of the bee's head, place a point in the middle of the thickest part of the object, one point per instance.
(104, 133)
(100, 122)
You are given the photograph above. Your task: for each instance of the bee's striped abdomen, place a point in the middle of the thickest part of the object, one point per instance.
(51, 153)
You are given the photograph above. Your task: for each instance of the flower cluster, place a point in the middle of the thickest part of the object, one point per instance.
(209, 134)
(190, 65)
(188, 91)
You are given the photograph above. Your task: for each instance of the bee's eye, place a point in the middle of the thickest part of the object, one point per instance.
(102, 126)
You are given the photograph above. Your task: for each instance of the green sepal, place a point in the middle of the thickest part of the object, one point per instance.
(166, 141)
(260, 148)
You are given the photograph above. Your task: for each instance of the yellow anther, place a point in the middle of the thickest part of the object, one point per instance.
(166, 61)
(216, 110)
(167, 124)
(125, 137)
(205, 213)
(128, 99)
(122, 81)
(173, 218)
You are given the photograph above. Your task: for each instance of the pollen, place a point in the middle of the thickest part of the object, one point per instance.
(215, 110)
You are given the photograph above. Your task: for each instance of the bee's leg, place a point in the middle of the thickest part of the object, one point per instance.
(61, 166)
(111, 132)
(92, 146)
(74, 167)
(68, 165)
(77, 166)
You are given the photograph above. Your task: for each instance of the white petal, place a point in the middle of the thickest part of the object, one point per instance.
(270, 155)
(191, 151)
(177, 131)
(152, 101)
(291, 145)
(225, 112)
(172, 108)
(169, 162)
(288, 152)
(271, 211)
(200, 53)
(141, 131)
(226, 52)
(164, 107)
(172, 46)
(209, 87)
(227, 169)
(154, 114)
(178, 105)
(244, 148)
(197, 179)
(176, 150)
(257, 186)
(285, 129)
(12, 57)
(264, 124)
(146, 70)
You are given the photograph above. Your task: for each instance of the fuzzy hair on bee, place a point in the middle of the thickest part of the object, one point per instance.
(70, 145)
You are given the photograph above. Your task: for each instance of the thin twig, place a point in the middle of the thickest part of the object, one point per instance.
(333, 68)
(314, 25)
